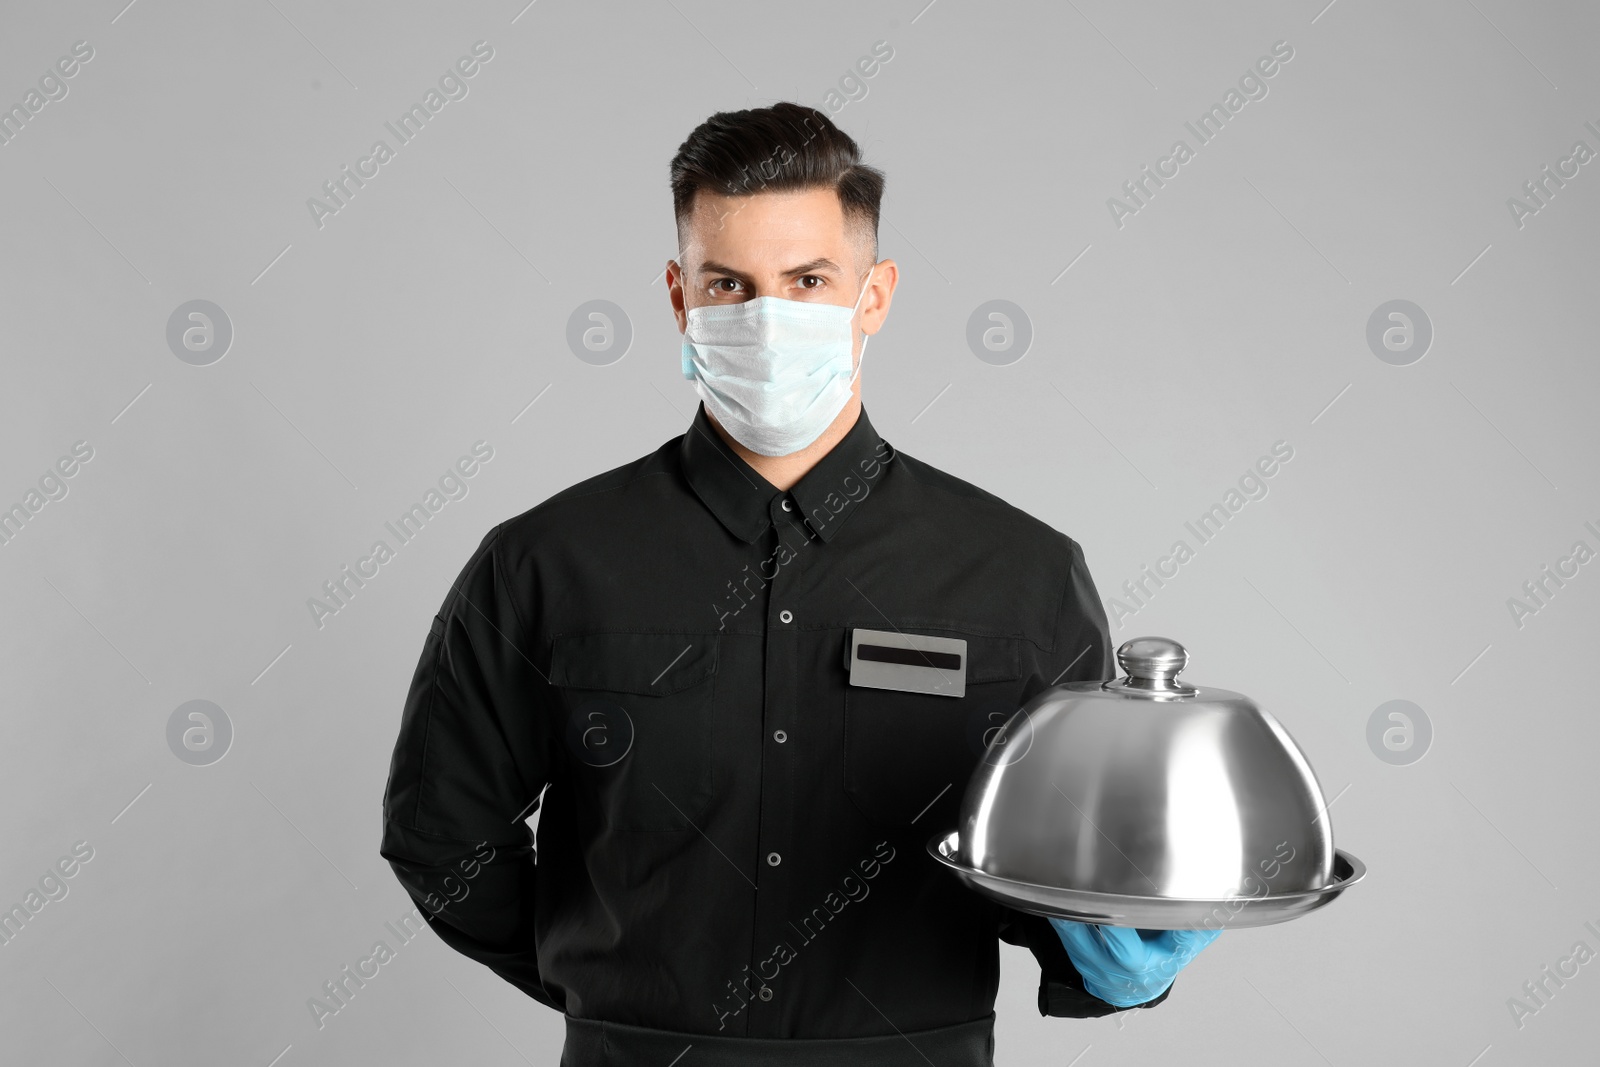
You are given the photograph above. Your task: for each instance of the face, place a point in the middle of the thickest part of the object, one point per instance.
(794, 245)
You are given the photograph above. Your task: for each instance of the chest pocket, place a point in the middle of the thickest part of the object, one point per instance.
(907, 756)
(638, 725)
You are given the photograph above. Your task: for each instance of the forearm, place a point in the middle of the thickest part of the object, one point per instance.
(478, 897)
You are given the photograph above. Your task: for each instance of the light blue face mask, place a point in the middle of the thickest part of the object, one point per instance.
(774, 373)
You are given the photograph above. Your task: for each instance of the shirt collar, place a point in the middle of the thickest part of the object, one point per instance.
(741, 499)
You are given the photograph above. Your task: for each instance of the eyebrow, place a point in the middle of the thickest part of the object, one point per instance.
(804, 268)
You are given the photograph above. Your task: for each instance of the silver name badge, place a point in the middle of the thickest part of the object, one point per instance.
(911, 663)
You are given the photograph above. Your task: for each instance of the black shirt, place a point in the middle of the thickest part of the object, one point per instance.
(731, 838)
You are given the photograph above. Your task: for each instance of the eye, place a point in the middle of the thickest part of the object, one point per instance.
(732, 286)
(812, 277)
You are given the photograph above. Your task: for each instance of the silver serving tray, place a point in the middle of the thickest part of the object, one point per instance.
(1150, 913)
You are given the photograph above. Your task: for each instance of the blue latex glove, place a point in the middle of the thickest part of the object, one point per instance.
(1123, 966)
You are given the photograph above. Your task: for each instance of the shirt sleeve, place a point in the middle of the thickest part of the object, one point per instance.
(471, 760)
(1082, 651)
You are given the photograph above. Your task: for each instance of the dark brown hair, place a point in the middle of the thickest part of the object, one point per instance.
(770, 149)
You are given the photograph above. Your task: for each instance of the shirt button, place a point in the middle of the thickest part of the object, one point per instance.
(786, 615)
(779, 736)
(773, 859)
(765, 993)
(787, 507)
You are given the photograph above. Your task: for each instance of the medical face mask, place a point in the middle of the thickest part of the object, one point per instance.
(773, 372)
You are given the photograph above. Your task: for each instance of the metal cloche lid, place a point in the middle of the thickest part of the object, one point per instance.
(1148, 802)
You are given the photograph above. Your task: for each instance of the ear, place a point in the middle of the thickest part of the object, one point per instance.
(674, 275)
(880, 293)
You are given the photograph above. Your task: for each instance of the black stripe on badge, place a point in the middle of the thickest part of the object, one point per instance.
(908, 657)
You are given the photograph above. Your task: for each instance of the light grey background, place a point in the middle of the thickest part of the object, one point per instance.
(1228, 314)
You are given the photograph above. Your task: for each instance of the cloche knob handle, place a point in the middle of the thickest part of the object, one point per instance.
(1153, 663)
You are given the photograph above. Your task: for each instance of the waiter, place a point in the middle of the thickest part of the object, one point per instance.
(730, 863)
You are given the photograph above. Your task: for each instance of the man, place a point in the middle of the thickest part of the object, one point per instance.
(730, 854)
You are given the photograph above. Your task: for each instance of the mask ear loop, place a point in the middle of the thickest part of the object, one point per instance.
(864, 337)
